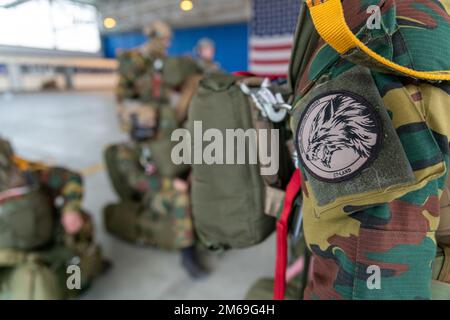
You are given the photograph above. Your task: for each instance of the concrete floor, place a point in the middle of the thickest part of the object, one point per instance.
(72, 129)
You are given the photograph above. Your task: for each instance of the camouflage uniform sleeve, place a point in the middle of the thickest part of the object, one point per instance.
(61, 182)
(136, 176)
(123, 86)
(126, 83)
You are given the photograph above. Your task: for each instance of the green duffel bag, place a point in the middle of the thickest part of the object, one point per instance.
(44, 275)
(177, 69)
(141, 224)
(116, 176)
(161, 150)
(34, 275)
(26, 221)
(31, 281)
(158, 152)
(229, 200)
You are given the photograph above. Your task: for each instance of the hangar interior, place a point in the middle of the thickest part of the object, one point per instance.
(57, 80)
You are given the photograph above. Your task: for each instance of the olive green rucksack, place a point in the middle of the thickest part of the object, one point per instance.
(177, 69)
(160, 154)
(117, 178)
(229, 201)
(137, 223)
(30, 281)
(26, 221)
(44, 275)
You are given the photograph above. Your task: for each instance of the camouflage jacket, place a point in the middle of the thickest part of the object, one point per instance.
(141, 174)
(150, 79)
(373, 149)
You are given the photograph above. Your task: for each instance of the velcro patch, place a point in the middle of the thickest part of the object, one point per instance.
(339, 135)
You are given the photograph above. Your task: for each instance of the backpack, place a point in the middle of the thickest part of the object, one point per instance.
(160, 154)
(160, 220)
(43, 275)
(229, 201)
(26, 221)
(30, 281)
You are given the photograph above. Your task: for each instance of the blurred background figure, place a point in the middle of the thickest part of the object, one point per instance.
(206, 53)
(60, 65)
(153, 94)
(42, 240)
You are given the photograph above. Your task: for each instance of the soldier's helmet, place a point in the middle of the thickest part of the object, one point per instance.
(158, 30)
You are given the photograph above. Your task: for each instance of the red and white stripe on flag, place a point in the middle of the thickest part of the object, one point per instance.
(269, 55)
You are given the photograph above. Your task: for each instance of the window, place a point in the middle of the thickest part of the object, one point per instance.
(51, 24)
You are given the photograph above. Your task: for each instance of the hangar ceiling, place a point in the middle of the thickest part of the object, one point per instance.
(134, 14)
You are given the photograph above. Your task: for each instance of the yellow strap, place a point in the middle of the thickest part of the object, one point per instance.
(25, 165)
(329, 20)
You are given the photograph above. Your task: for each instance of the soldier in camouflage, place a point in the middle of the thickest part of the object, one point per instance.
(59, 244)
(148, 78)
(373, 146)
(141, 170)
(206, 51)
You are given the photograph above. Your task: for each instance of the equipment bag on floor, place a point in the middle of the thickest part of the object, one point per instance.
(26, 218)
(162, 220)
(229, 200)
(130, 159)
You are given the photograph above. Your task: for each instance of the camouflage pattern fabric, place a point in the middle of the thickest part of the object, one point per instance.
(140, 179)
(132, 65)
(175, 206)
(394, 236)
(139, 78)
(64, 183)
(163, 217)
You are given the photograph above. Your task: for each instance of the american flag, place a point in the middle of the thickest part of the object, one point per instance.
(272, 29)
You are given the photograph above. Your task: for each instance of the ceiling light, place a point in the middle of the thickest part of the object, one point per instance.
(186, 5)
(109, 23)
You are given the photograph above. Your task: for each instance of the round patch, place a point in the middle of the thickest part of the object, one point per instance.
(339, 135)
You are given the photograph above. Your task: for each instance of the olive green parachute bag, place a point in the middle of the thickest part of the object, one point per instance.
(117, 177)
(26, 220)
(231, 203)
(159, 152)
(147, 223)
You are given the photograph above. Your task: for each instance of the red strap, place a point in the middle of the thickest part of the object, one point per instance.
(243, 74)
(292, 190)
(156, 85)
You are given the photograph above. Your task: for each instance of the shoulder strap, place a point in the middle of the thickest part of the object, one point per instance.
(329, 20)
(292, 190)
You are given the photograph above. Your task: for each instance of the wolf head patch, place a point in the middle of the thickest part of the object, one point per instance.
(339, 135)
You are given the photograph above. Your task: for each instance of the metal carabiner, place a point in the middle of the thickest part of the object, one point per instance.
(271, 106)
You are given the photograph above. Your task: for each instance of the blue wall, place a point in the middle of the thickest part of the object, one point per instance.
(231, 42)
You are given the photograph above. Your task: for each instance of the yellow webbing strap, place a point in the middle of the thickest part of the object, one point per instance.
(25, 165)
(329, 20)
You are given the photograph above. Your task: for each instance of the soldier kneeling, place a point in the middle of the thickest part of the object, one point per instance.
(155, 202)
(46, 240)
